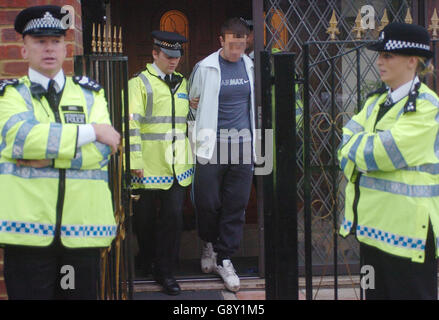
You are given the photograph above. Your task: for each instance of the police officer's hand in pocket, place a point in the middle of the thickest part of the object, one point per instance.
(106, 134)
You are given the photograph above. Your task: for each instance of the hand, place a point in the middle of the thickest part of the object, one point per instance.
(106, 134)
(194, 103)
(34, 163)
(137, 173)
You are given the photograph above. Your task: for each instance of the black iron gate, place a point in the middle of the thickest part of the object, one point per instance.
(334, 77)
(111, 71)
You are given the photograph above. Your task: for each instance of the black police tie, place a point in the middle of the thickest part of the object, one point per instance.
(53, 99)
(168, 79)
(52, 96)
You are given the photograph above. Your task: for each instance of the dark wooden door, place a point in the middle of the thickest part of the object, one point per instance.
(204, 18)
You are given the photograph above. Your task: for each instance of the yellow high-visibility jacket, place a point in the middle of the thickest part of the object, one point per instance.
(392, 168)
(158, 137)
(70, 200)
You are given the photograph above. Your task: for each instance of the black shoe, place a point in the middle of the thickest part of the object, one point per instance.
(169, 285)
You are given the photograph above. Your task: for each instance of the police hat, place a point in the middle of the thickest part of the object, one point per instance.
(404, 38)
(169, 42)
(41, 21)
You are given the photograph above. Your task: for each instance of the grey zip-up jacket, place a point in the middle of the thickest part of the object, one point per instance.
(205, 83)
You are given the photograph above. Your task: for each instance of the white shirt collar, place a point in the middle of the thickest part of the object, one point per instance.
(403, 90)
(41, 79)
(160, 73)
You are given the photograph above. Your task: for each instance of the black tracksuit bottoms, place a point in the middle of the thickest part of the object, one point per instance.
(220, 193)
(158, 223)
(398, 278)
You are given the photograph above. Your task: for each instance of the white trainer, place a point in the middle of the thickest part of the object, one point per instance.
(208, 258)
(228, 273)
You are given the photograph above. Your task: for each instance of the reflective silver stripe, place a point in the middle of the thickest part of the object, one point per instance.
(353, 151)
(31, 228)
(418, 191)
(134, 132)
(20, 138)
(162, 136)
(53, 141)
(392, 149)
(149, 98)
(89, 99)
(149, 104)
(343, 163)
(50, 173)
(77, 161)
(105, 152)
(371, 106)
(158, 119)
(368, 154)
(74, 231)
(135, 147)
(12, 121)
(354, 126)
(428, 168)
(426, 96)
(25, 94)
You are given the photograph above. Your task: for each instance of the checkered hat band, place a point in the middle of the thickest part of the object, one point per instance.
(167, 45)
(44, 23)
(398, 44)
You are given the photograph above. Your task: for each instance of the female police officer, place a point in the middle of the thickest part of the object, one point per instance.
(390, 156)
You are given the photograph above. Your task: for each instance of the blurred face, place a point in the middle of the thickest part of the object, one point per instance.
(396, 70)
(233, 47)
(44, 54)
(165, 63)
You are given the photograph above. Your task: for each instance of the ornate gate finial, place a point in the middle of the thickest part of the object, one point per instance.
(332, 29)
(408, 17)
(120, 40)
(384, 21)
(93, 40)
(358, 27)
(99, 38)
(434, 26)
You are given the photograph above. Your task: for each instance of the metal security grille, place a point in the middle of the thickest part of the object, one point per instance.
(289, 25)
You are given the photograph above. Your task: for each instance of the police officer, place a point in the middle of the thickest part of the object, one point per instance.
(56, 139)
(390, 157)
(160, 156)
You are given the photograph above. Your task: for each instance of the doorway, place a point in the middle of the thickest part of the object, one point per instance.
(199, 21)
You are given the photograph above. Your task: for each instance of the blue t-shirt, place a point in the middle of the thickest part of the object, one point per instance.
(234, 102)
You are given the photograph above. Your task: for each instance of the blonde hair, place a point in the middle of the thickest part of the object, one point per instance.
(423, 67)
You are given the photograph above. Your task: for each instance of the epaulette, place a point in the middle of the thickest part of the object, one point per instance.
(87, 83)
(380, 91)
(7, 82)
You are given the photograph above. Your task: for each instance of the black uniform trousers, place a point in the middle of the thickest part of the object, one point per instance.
(37, 273)
(398, 278)
(158, 223)
(220, 194)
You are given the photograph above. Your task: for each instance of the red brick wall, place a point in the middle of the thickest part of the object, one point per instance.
(12, 64)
